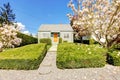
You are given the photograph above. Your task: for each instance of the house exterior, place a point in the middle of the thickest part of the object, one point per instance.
(56, 31)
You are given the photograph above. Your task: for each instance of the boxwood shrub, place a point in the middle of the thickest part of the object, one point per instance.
(60, 40)
(23, 58)
(46, 40)
(70, 55)
(26, 39)
(114, 57)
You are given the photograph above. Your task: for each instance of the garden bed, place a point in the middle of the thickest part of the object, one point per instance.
(26, 57)
(70, 55)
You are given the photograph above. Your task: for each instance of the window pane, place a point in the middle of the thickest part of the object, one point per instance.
(66, 35)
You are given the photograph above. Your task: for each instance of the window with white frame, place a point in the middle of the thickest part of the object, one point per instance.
(46, 35)
(66, 35)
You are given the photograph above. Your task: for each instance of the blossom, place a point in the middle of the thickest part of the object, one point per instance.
(8, 36)
(101, 18)
(1, 45)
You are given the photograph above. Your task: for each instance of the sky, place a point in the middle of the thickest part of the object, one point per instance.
(33, 13)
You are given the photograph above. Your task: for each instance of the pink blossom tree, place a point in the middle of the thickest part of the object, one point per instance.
(8, 37)
(99, 17)
(8, 30)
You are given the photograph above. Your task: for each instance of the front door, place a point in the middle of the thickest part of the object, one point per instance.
(55, 37)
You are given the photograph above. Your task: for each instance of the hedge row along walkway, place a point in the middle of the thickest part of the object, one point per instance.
(49, 71)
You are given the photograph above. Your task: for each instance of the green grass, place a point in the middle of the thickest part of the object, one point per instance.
(70, 55)
(26, 57)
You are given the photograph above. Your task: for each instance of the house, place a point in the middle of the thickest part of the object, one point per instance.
(56, 31)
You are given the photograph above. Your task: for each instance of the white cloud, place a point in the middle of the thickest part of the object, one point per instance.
(20, 26)
(26, 32)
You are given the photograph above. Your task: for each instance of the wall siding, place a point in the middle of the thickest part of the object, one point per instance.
(41, 35)
(62, 34)
(69, 39)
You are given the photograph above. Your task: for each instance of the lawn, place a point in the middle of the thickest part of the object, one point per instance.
(70, 55)
(26, 57)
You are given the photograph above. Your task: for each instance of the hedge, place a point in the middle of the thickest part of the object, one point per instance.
(23, 58)
(82, 41)
(60, 40)
(114, 57)
(26, 39)
(46, 40)
(116, 46)
(70, 55)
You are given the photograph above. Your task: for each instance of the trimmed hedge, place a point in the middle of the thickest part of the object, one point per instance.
(114, 58)
(26, 39)
(23, 58)
(60, 40)
(70, 55)
(82, 41)
(46, 40)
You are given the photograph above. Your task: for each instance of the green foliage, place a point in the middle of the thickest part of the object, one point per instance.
(91, 41)
(26, 57)
(46, 40)
(70, 55)
(6, 14)
(48, 47)
(114, 57)
(82, 41)
(26, 39)
(65, 41)
(116, 46)
(60, 40)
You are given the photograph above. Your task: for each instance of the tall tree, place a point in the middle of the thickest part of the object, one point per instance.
(100, 17)
(8, 29)
(6, 14)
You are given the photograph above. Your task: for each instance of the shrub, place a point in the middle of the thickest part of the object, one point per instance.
(65, 41)
(114, 57)
(70, 55)
(116, 46)
(91, 41)
(26, 57)
(26, 39)
(86, 41)
(82, 41)
(46, 40)
(60, 40)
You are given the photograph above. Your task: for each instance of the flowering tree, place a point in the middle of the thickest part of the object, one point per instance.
(8, 30)
(100, 17)
(8, 36)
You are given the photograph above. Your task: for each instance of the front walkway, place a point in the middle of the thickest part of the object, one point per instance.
(49, 71)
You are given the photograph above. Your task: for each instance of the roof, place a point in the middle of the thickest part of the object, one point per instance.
(55, 27)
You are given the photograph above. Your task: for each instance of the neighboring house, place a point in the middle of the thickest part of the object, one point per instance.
(56, 31)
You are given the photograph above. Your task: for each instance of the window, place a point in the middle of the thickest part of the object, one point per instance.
(66, 35)
(45, 35)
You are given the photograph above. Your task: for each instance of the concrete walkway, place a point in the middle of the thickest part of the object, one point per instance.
(49, 71)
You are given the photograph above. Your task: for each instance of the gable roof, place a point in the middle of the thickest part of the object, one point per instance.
(55, 27)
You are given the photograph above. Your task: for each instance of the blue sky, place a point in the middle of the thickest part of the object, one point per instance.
(33, 13)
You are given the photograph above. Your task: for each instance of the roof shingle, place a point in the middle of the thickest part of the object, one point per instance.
(55, 27)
